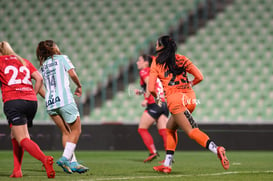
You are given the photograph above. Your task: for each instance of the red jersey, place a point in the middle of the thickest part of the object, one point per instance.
(173, 84)
(15, 79)
(145, 73)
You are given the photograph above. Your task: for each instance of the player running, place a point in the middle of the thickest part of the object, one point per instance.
(56, 69)
(172, 69)
(153, 113)
(20, 106)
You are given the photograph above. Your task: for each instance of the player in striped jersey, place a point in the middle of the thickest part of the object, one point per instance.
(56, 70)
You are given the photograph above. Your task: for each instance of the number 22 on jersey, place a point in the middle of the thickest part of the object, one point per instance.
(15, 79)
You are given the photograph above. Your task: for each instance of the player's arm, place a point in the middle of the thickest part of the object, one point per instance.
(147, 93)
(73, 75)
(42, 92)
(152, 79)
(198, 76)
(38, 81)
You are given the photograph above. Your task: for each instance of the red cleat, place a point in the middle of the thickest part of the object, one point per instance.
(163, 169)
(221, 153)
(17, 174)
(151, 157)
(48, 164)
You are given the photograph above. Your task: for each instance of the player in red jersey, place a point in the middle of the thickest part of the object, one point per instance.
(172, 69)
(20, 106)
(153, 113)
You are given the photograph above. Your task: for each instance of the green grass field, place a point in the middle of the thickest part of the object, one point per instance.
(128, 165)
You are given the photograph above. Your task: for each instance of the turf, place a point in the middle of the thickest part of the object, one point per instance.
(128, 165)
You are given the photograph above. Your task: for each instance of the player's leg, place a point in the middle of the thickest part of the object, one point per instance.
(18, 153)
(20, 133)
(145, 123)
(172, 139)
(20, 114)
(188, 124)
(70, 114)
(162, 123)
(62, 126)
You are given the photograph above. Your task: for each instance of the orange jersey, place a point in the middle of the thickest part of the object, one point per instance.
(174, 84)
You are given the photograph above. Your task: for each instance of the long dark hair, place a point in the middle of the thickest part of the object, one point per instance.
(46, 49)
(166, 55)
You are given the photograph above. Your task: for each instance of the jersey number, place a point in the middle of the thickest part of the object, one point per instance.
(175, 80)
(14, 79)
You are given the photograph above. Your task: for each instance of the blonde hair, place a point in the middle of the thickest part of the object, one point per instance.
(5, 49)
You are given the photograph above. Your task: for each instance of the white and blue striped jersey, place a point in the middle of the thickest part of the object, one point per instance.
(56, 81)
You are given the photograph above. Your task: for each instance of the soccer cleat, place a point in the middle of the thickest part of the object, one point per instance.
(76, 167)
(221, 153)
(48, 164)
(16, 174)
(151, 157)
(64, 163)
(163, 169)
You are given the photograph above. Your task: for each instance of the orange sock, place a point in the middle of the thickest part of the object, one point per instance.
(172, 139)
(199, 136)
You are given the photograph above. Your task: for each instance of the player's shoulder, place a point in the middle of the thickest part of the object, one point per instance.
(182, 60)
(144, 71)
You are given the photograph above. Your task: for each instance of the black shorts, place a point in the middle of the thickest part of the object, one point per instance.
(20, 112)
(155, 111)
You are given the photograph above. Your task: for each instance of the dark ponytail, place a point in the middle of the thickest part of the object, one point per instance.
(166, 55)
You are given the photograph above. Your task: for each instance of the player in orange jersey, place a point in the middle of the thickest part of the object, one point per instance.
(20, 106)
(153, 113)
(172, 69)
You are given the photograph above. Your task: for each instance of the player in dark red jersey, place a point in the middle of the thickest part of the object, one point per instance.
(153, 113)
(20, 106)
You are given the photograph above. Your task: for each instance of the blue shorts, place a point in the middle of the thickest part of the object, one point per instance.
(68, 112)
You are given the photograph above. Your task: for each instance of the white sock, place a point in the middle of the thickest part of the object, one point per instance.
(69, 150)
(73, 159)
(213, 147)
(168, 160)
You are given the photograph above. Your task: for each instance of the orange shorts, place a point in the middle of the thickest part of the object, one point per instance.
(179, 102)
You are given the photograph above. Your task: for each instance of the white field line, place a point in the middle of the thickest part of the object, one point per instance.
(181, 175)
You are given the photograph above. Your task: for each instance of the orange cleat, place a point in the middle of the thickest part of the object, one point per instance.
(48, 164)
(16, 174)
(163, 169)
(221, 153)
(151, 157)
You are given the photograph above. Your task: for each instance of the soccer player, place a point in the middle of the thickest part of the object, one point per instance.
(20, 106)
(153, 113)
(56, 70)
(172, 69)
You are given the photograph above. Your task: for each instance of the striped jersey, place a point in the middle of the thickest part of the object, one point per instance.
(56, 81)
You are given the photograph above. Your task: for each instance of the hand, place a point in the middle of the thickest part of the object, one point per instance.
(138, 92)
(144, 103)
(78, 91)
(191, 83)
(158, 100)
